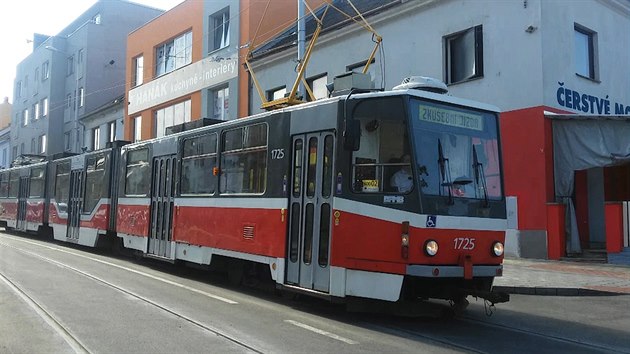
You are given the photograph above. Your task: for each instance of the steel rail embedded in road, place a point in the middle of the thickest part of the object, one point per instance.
(137, 296)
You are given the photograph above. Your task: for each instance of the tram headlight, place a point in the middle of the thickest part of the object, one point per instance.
(497, 249)
(431, 248)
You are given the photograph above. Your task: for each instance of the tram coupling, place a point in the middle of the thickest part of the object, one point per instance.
(494, 297)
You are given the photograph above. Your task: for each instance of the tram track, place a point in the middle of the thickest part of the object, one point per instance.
(67, 334)
(588, 345)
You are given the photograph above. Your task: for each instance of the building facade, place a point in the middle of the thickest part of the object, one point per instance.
(531, 58)
(5, 133)
(70, 75)
(187, 63)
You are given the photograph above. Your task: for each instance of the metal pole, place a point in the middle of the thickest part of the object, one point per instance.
(301, 38)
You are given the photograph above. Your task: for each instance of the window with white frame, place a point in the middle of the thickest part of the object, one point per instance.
(69, 100)
(42, 144)
(464, 55)
(66, 141)
(96, 138)
(70, 63)
(318, 86)
(36, 83)
(585, 52)
(81, 97)
(172, 115)
(25, 117)
(220, 29)
(138, 67)
(18, 89)
(45, 107)
(173, 54)
(112, 131)
(221, 103)
(97, 19)
(137, 129)
(276, 93)
(36, 111)
(45, 71)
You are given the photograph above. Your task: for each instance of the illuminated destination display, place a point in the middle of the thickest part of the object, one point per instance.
(451, 118)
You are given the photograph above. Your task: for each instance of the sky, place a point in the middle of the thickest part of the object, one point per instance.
(22, 18)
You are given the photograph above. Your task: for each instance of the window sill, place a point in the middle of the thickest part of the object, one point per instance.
(214, 51)
(474, 78)
(588, 78)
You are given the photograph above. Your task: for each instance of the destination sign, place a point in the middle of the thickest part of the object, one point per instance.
(451, 118)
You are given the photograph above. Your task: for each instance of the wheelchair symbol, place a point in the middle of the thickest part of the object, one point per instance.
(431, 220)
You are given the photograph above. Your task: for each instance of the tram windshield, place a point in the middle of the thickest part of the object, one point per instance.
(448, 154)
(456, 150)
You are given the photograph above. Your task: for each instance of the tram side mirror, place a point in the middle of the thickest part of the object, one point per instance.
(352, 135)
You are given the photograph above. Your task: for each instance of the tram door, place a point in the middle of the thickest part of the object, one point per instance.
(162, 193)
(310, 211)
(75, 205)
(22, 203)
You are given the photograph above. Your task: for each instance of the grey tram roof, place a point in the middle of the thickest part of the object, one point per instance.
(332, 21)
(326, 101)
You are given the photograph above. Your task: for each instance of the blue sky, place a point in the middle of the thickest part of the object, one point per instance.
(22, 18)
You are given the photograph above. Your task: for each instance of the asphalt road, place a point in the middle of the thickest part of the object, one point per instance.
(60, 299)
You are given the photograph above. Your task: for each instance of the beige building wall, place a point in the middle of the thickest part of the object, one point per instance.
(5, 113)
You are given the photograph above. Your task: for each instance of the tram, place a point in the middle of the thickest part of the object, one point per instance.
(309, 192)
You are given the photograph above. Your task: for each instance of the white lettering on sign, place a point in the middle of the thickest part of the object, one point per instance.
(191, 78)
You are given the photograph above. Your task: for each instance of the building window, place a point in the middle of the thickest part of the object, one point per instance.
(220, 30)
(172, 115)
(36, 111)
(464, 55)
(45, 71)
(69, 100)
(81, 97)
(66, 141)
(14, 152)
(318, 86)
(585, 54)
(36, 86)
(80, 56)
(276, 93)
(97, 19)
(138, 68)
(174, 54)
(112, 131)
(137, 128)
(70, 69)
(221, 100)
(18, 89)
(45, 107)
(42, 144)
(25, 117)
(96, 138)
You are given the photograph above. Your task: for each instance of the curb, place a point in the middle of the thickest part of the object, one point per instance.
(549, 291)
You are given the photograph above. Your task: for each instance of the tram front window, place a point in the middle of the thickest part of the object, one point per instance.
(457, 154)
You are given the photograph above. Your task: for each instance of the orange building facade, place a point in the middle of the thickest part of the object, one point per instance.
(187, 64)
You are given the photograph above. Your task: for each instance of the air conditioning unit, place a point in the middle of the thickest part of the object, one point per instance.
(422, 83)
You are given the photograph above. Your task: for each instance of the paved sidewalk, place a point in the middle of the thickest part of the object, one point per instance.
(562, 278)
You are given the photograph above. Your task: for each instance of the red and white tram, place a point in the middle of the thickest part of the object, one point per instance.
(312, 193)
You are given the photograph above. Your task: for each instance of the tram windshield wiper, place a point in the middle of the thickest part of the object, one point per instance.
(445, 173)
(480, 178)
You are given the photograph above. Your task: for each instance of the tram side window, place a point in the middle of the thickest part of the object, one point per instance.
(244, 160)
(37, 182)
(94, 182)
(62, 186)
(137, 180)
(14, 184)
(4, 185)
(384, 148)
(198, 161)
